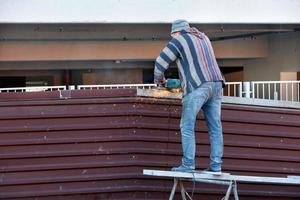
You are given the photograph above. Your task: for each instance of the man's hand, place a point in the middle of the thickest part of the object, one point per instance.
(161, 82)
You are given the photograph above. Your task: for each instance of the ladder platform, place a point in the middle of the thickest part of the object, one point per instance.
(212, 173)
(224, 177)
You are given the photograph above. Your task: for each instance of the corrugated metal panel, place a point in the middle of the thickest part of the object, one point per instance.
(96, 148)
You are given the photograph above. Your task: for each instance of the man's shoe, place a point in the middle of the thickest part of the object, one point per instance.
(213, 172)
(183, 168)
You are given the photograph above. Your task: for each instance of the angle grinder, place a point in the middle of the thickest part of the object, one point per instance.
(173, 85)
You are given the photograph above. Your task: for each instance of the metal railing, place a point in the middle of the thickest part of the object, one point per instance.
(271, 90)
(116, 86)
(33, 89)
(234, 89)
(276, 90)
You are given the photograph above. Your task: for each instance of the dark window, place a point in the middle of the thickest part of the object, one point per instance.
(169, 73)
(148, 75)
(13, 81)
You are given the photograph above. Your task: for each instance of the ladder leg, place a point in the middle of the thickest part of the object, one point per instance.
(235, 192)
(173, 189)
(182, 190)
(228, 191)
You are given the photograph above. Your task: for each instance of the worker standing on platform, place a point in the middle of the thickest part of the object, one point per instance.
(202, 82)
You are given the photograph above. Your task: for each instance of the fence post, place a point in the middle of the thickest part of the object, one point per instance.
(247, 90)
(71, 87)
(241, 89)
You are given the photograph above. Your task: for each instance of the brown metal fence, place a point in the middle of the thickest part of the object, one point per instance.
(94, 144)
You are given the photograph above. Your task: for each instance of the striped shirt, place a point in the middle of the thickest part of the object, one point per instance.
(195, 58)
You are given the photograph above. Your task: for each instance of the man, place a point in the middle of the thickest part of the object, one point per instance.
(201, 81)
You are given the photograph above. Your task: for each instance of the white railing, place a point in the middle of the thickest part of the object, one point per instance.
(233, 89)
(116, 86)
(271, 90)
(276, 90)
(32, 89)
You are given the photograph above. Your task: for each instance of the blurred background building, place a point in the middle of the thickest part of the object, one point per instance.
(49, 43)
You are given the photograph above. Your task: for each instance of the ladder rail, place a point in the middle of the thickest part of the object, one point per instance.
(223, 179)
(226, 177)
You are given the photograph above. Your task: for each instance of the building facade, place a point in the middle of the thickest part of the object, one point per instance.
(63, 43)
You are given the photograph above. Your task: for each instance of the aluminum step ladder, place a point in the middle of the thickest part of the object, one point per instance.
(223, 179)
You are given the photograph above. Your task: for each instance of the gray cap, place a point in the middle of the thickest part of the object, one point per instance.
(179, 25)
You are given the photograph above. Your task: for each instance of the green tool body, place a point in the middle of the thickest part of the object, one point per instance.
(173, 84)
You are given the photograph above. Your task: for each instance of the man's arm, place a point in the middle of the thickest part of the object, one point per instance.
(168, 55)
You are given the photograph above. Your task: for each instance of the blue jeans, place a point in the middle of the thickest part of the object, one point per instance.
(207, 96)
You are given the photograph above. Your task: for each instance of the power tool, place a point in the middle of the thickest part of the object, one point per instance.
(171, 84)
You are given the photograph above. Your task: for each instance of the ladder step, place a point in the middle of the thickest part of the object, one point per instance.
(211, 173)
(296, 177)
